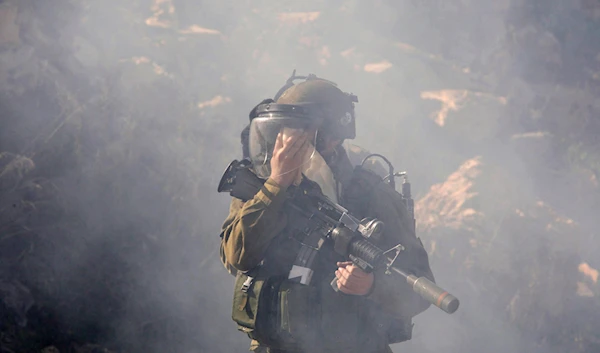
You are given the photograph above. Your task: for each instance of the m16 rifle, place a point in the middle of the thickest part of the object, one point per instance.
(325, 220)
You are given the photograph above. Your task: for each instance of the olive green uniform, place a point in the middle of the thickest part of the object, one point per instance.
(252, 227)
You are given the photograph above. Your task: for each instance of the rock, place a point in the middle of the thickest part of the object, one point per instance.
(482, 226)
(466, 115)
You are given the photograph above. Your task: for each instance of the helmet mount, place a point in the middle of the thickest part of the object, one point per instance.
(290, 82)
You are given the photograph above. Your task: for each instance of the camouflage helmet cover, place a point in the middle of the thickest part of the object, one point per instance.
(326, 99)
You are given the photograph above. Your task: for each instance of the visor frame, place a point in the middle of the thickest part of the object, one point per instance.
(262, 135)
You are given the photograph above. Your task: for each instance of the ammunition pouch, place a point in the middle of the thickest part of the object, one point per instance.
(276, 312)
(289, 316)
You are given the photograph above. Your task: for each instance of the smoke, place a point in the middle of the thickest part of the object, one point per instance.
(129, 113)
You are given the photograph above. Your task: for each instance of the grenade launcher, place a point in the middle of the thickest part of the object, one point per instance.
(324, 220)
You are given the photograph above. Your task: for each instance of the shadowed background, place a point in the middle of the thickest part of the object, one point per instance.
(118, 118)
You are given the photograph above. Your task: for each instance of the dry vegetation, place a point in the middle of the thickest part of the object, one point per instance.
(117, 119)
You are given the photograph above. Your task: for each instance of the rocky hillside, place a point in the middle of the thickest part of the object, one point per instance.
(117, 119)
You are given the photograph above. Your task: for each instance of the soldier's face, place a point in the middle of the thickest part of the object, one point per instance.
(327, 144)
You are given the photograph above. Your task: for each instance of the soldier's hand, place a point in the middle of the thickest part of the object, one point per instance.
(353, 280)
(288, 156)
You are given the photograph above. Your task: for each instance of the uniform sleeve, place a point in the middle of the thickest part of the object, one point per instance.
(250, 227)
(391, 291)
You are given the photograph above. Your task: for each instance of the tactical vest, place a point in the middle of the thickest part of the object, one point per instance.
(286, 315)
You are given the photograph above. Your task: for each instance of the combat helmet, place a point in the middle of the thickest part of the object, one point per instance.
(315, 98)
(324, 100)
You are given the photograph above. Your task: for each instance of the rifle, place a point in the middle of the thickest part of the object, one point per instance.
(325, 220)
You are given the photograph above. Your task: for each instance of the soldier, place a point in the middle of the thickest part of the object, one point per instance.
(301, 133)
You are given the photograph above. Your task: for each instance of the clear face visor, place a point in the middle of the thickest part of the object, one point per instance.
(264, 132)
